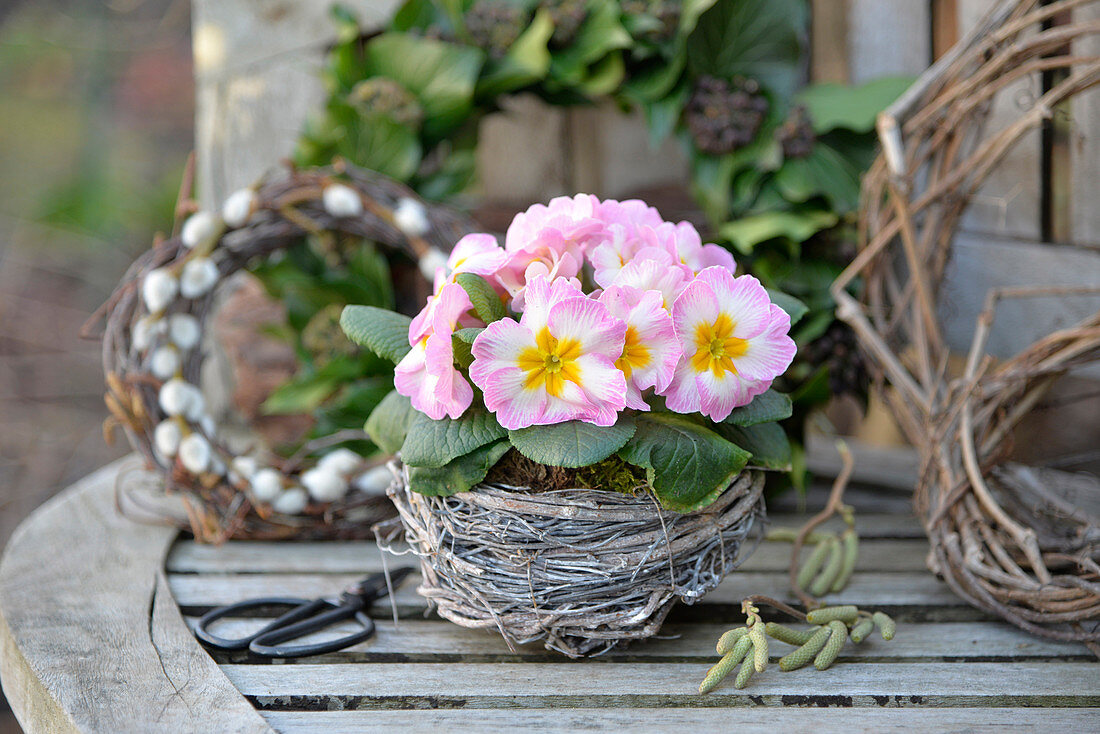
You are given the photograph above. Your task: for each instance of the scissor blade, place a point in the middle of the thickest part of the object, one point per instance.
(375, 587)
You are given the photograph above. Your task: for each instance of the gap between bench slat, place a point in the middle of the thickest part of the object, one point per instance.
(427, 641)
(818, 720)
(505, 685)
(365, 557)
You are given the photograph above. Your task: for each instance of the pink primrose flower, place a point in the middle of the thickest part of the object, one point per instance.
(556, 364)
(734, 340)
(651, 349)
(427, 375)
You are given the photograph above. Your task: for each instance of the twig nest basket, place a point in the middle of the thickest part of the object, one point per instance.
(1017, 541)
(579, 569)
(153, 352)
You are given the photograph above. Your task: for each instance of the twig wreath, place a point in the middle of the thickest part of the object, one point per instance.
(1008, 538)
(153, 352)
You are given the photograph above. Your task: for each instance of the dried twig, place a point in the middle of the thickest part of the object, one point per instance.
(993, 535)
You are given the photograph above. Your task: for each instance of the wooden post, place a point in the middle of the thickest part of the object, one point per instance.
(829, 40)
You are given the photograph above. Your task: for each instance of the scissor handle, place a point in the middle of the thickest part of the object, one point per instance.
(303, 608)
(267, 642)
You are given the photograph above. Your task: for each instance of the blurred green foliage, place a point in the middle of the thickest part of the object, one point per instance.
(775, 167)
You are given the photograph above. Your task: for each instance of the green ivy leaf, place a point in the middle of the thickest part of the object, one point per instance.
(378, 142)
(795, 308)
(759, 39)
(389, 422)
(767, 442)
(527, 61)
(601, 33)
(824, 172)
(383, 332)
(571, 444)
(687, 465)
(711, 179)
(458, 475)
(299, 396)
(655, 80)
(663, 114)
(765, 408)
(603, 77)
(486, 302)
(306, 391)
(747, 232)
(441, 75)
(854, 108)
(689, 14)
(435, 443)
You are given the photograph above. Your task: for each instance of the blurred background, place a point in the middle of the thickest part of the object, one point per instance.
(96, 121)
(98, 116)
(96, 104)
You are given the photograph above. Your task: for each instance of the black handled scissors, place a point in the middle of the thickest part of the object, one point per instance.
(306, 617)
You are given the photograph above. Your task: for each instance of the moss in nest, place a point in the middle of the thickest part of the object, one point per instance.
(612, 474)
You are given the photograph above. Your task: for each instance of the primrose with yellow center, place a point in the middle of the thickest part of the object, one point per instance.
(735, 342)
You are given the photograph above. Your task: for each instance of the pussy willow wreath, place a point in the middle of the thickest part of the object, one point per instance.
(1018, 541)
(153, 352)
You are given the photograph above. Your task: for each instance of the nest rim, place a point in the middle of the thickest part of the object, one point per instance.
(490, 557)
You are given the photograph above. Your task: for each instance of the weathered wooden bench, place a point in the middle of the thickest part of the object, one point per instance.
(94, 613)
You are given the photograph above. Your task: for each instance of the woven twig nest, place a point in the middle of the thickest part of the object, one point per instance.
(1017, 541)
(580, 569)
(154, 335)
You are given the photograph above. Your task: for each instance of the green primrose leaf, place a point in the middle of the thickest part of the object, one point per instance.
(389, 421)
(487, 303)
(687, 465)
(795, 308)
(435, 443)
(765, 408)
(767, 442)
(457, 475)
(383, 332)
(571, 444)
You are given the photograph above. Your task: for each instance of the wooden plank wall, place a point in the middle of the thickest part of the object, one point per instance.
(1042, 193)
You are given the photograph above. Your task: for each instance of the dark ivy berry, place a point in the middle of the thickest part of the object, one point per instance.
(567, 16)
(494, 25)
(838, 350)
(796, 134)
(724, 115)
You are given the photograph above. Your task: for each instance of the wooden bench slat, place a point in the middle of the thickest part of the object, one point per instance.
(792, 718)
(867, 589)
(364, 557)
(428, 640)
(508, 685)
(91, 638)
